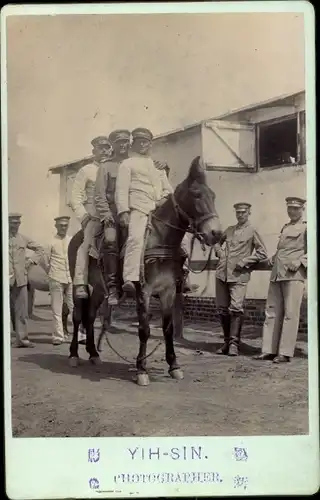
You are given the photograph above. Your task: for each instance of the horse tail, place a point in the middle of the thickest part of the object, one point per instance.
(73, 247)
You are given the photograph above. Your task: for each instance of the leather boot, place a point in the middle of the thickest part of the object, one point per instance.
(110, 264)
(235, 332)
(225, 323)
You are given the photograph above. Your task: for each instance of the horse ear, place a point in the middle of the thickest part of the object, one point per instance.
(197, 171)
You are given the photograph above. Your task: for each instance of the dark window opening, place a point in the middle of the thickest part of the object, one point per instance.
(278, 143)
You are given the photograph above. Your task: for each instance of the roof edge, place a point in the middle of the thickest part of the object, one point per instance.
(230, 112)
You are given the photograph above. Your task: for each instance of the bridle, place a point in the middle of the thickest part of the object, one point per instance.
(190, 226)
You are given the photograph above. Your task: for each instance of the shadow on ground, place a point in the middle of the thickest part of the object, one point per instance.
(59, 363)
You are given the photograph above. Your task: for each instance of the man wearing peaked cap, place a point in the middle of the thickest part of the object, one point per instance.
(104, 200)
(286, 288)
(19, 265)
(82, 203)
(142, 133)
(140, 188)
(293, 201)
(242, 206)
(62, 219)
(240, 247)
(60, 282)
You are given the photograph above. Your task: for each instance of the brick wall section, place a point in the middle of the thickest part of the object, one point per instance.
(204, 309)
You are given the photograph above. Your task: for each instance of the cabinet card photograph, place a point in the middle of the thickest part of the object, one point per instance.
(160, 331)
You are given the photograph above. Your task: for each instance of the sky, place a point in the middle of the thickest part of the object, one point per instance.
(71, 78)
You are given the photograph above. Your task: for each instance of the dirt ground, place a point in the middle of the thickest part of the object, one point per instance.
(219, 396)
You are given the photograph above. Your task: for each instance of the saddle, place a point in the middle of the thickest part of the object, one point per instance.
(152, 250)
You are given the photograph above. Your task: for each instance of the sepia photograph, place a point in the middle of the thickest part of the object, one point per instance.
(157, 249)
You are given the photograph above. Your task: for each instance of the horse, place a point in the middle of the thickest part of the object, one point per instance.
(190, 208)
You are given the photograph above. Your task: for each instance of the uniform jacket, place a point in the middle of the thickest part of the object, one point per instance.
(104, 193)
(17, 258)
(140, 185)
(56, 259)
(241, 244)
(292, 246)
(82, 196)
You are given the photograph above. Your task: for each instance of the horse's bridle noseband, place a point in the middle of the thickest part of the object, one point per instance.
(193, 224)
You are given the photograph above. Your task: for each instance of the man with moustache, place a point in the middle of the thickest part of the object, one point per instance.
(82, 203)
(286, 288)
(104, 200)
(19, 265)
(240, 247)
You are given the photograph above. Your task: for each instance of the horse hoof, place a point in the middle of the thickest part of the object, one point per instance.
(95, 361)
(143, 379)
(74, 362)
(177, 374)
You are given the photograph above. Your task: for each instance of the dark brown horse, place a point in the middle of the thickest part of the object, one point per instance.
(191, 208)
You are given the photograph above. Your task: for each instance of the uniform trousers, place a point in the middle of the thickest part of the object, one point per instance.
(59, 293)
(282, 315)
(230, 297)
(19, 311)
(82, 262)
(134, 246)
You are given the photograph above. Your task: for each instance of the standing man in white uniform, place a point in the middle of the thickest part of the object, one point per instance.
(287, 284)
(140, 186)
(60, 283)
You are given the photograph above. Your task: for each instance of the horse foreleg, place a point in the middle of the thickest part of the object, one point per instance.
(76, 319)
(105, 318)
(65, 314)
(95, 302)
(167, 299)
(142, 302)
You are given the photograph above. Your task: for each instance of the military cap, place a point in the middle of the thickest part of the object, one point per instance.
(15, 216)
(100, 141)
(294, 201)
(119, 135)
(62, 218)
(142, 133)
(242, 206)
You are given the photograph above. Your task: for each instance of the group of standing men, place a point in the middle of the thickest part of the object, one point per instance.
(239, 249)
(116, 193)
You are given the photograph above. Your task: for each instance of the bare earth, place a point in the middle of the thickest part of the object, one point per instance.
(219, 396)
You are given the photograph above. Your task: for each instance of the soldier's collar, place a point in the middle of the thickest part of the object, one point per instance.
(240, 226)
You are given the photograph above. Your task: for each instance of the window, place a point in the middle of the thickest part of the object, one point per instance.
(278, 142)
(248, 147)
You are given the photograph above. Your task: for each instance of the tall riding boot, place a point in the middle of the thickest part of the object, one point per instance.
(235, 332)
(110, 264)
(225, 323)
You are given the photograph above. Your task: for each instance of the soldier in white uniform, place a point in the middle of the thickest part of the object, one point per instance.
(287, 282)
(60, 283)
(82, 203)
(140, 187)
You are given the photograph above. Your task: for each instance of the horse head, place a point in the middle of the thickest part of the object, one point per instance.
(196, 202)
